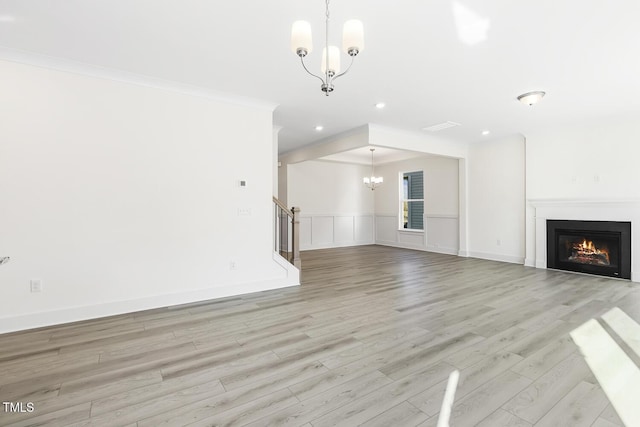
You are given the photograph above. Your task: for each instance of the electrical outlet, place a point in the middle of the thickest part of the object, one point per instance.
(498, 242)
(36, 285)
(244, 211)
(232, 265)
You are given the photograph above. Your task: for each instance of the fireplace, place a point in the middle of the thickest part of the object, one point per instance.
(595, 247)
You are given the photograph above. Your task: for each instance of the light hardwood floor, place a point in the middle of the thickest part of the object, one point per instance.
(369, 338)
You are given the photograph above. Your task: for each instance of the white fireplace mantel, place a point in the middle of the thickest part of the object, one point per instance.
(582, 210)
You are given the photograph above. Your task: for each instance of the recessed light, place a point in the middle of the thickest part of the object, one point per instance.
(380, 105)
(531, 98)
(485, 132)
(319, 128)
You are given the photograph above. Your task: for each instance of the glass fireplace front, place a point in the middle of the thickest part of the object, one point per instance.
(596, 247)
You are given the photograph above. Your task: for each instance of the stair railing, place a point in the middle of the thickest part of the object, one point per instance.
(287, 232)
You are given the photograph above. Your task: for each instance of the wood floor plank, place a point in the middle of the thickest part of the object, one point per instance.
(536, 400)
(486, 399)
(540, 362)
(130, 413)
(62, 417)
(404, 414)
(330, 379)
(48, 404)
(368, 338)
(477, 352)
(609, 414)
(430, 400)
(429, 355)
(624, 327)
(193, 411)
(579, 408)
(382, 343)
(616, 372)
(601, 422)
(502, 418)
(385, 398)
(539, 338)
(328, 401)
(254, 410)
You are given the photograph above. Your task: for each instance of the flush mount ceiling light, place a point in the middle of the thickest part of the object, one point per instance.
(380, 105)
(531, 98)
(352, 44)
(319, 128)
(486, 132)
(372, 181)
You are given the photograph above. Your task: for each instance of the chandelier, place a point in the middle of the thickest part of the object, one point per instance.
(372, 181)
(352, 44)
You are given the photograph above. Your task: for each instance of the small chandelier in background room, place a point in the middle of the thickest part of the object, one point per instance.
(352, 44)
(372, 181)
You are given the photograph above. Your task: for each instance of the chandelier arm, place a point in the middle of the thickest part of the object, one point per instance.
(307, 70)
(347, 70)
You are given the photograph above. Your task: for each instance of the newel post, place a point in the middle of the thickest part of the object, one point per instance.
(295, 237)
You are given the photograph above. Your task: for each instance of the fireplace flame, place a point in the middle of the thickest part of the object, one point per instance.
(587, 253)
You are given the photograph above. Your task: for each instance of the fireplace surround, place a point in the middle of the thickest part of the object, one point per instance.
(594, 247)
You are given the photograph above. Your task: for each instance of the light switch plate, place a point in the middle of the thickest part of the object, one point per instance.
(36, 285)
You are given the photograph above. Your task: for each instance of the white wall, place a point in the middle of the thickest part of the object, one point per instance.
(337, 209)
(282, 184)
(441, 194)
(588, 161)
(583, 171)
(121, 197)
(274, 162)
(496, 182)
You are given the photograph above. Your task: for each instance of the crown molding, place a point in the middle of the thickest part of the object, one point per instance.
(84, 69)
(583, 202)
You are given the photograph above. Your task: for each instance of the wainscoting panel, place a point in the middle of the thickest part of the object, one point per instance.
(442, 234)
(386, 229)
(305, 232)
(321, 230)
(363, 226)
(331, 231)
(343, 229)
(411, 239)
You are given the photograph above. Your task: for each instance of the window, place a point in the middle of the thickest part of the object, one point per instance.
(412, 201)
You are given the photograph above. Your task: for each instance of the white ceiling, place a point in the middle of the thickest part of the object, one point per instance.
(430, 61)
(381, 155)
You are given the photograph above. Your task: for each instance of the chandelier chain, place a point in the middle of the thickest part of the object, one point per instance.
(326, 47)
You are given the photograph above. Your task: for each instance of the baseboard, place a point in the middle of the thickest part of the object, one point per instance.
(441, 250)
(463, 254)
(75, 314)
(529, 262)
(541, 263)
(438, 250)
(335, 245)
(497, 257)
(400, 245)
